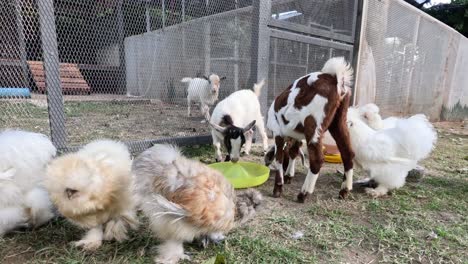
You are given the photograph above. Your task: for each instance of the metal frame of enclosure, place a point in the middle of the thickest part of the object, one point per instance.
(127, 56)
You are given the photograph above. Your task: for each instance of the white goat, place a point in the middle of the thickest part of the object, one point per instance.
(233, 119)
(23, 201)
(203, 90)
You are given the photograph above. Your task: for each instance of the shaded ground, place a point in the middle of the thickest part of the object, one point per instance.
(423, 222)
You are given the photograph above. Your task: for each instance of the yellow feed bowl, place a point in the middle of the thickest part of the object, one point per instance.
(333, 158)
(243, 174)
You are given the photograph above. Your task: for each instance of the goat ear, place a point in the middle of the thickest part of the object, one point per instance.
(222, 78)
(249, 126)
(206, 78)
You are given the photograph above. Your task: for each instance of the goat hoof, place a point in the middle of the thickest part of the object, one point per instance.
(277, 191)
(287, 179)
(301, 197)
(344, 193)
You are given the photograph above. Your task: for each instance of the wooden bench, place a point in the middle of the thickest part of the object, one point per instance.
(72, 81)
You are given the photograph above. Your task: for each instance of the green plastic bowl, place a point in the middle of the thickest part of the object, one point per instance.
(243, 174)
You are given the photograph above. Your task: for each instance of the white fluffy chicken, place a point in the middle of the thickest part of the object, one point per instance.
(93, 189)
(185, 199)
(389, 154)
(370, 114)
(23, 200)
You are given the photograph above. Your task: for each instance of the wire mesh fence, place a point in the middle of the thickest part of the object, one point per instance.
(411, 63)
(113, 68)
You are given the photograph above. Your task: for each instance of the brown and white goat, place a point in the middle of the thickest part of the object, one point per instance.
(313, 104)
(292, 149)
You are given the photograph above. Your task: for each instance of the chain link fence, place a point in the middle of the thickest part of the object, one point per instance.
(113, 68)
(411, 63)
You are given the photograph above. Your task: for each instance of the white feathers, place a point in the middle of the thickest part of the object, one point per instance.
(107, 151)
(165, 154)
(93, 189)
(389, 154)
(369, 113)
(182, 198)
(23, 158)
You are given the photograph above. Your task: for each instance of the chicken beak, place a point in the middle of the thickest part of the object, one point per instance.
(70, 192)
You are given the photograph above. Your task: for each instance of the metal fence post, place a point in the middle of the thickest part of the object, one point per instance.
(356, 34)
(207, 38)
(52, 73)
(147, 17)
(121, 34)
(23, 55)
(260, 48)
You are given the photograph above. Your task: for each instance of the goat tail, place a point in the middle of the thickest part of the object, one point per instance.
(186, 80)
(343, 71)
(258, 87)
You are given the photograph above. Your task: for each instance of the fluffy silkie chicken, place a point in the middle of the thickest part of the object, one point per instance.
(93, 189)
(23, 200)
(370, 114)
(390, 153)
(185, 199)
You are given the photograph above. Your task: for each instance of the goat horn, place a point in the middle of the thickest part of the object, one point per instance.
(216, 127)
(249, 126)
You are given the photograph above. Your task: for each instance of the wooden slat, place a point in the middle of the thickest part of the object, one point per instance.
(62, 74)
(68, 85)
(70, 77)
(62, 79)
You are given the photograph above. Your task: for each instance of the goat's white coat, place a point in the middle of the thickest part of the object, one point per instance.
(200, 90)
(389, 154)
(23, 158)
(309, 184)
(243, 107)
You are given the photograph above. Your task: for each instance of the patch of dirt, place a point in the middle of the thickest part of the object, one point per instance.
(460, 128)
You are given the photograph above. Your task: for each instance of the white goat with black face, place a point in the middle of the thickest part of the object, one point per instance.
(204, 90)
(232, 121)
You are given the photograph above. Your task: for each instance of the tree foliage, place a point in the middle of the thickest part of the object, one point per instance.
(454, 14)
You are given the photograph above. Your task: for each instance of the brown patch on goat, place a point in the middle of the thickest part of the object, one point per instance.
(339, 131)
(324, 86)
(292, 151)
(299, 128)
(282, 99)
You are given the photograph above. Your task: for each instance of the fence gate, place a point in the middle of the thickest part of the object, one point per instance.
(304, 34)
